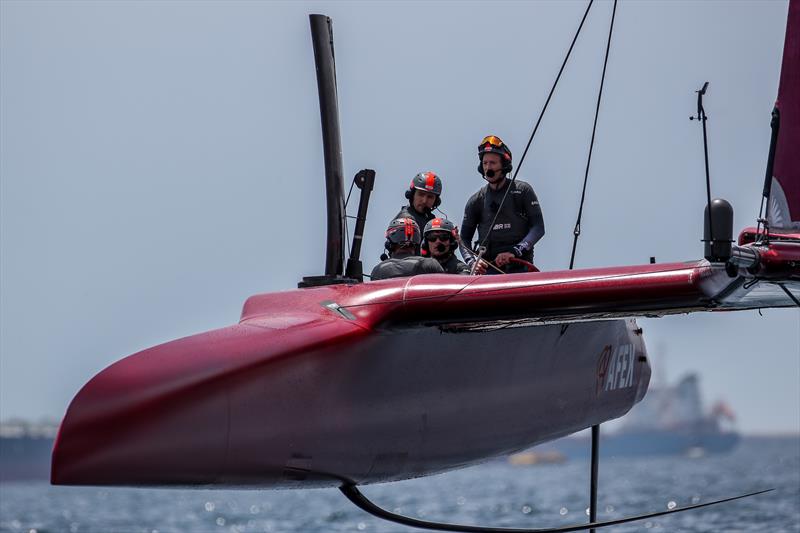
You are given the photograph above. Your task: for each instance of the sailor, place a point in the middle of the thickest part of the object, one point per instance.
(440, 241)
(424, 194)
(513, 225)
(402, 243)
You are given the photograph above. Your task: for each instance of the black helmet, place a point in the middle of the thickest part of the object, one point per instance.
(442, 225)
(493, 144)
(402, 231)
(428, 182)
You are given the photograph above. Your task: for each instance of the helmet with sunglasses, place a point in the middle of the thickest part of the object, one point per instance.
(493, 144)
(402, 231)
(428, 182)
(440, 225)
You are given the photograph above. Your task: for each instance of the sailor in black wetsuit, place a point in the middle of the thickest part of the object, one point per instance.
(440, 241)
(424, 194)
(519, 224)
(402, 243)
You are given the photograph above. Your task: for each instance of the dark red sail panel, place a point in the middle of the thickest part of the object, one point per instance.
(784, 208)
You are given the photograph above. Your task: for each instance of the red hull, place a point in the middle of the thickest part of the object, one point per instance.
(389, 380)
(298, 394)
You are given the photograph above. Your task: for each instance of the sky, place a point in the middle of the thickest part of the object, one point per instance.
(162, 161)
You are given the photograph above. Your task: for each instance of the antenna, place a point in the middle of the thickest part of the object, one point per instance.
(718, 212)
(702, 118)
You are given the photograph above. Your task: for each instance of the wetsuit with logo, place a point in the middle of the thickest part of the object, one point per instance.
(408, 211)
(518, 226)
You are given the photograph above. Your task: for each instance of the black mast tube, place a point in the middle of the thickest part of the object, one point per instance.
(322, 38)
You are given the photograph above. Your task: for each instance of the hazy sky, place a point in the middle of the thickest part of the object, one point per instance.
(160, 162)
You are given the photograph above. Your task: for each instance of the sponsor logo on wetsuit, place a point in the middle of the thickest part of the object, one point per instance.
(502, 225)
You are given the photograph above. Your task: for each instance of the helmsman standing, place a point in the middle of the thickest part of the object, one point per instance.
(513, 225)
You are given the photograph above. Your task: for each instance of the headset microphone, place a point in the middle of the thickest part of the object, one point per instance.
(490, 173)
(441, 248)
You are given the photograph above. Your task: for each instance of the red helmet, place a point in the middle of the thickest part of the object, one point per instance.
(493, 144)
(402, 231)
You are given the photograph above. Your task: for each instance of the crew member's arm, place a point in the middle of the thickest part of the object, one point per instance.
(467, 231)
(536, 221)
(470, 223)
(463, 268)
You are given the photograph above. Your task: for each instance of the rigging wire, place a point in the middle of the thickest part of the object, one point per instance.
(762, 230)
(535, 128)
(346, 216)
(577, 231)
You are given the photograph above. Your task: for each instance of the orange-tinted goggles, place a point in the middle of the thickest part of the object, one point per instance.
(492, 140)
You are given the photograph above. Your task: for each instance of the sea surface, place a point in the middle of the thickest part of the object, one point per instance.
(492, 494)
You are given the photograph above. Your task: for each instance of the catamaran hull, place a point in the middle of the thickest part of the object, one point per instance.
(390, 405)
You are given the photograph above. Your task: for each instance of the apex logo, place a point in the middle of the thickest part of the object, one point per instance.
(615, 368)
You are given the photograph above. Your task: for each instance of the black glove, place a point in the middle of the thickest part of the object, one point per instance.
(520, 249)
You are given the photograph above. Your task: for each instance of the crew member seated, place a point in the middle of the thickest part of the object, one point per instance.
(440, 241)
(402, 244)
(424, 194)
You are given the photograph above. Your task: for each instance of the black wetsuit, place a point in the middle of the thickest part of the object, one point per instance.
(518, 227)
(408, 211)
(453, 265)
(409, 265)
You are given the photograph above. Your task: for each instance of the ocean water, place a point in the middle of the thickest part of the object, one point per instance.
(492, 494)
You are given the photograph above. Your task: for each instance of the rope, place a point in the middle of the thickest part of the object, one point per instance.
(538, 121)
(577, 231)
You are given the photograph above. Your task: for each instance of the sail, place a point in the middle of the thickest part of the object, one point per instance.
(784, 201)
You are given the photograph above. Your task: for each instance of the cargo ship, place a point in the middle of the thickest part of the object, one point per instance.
(25, 449)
